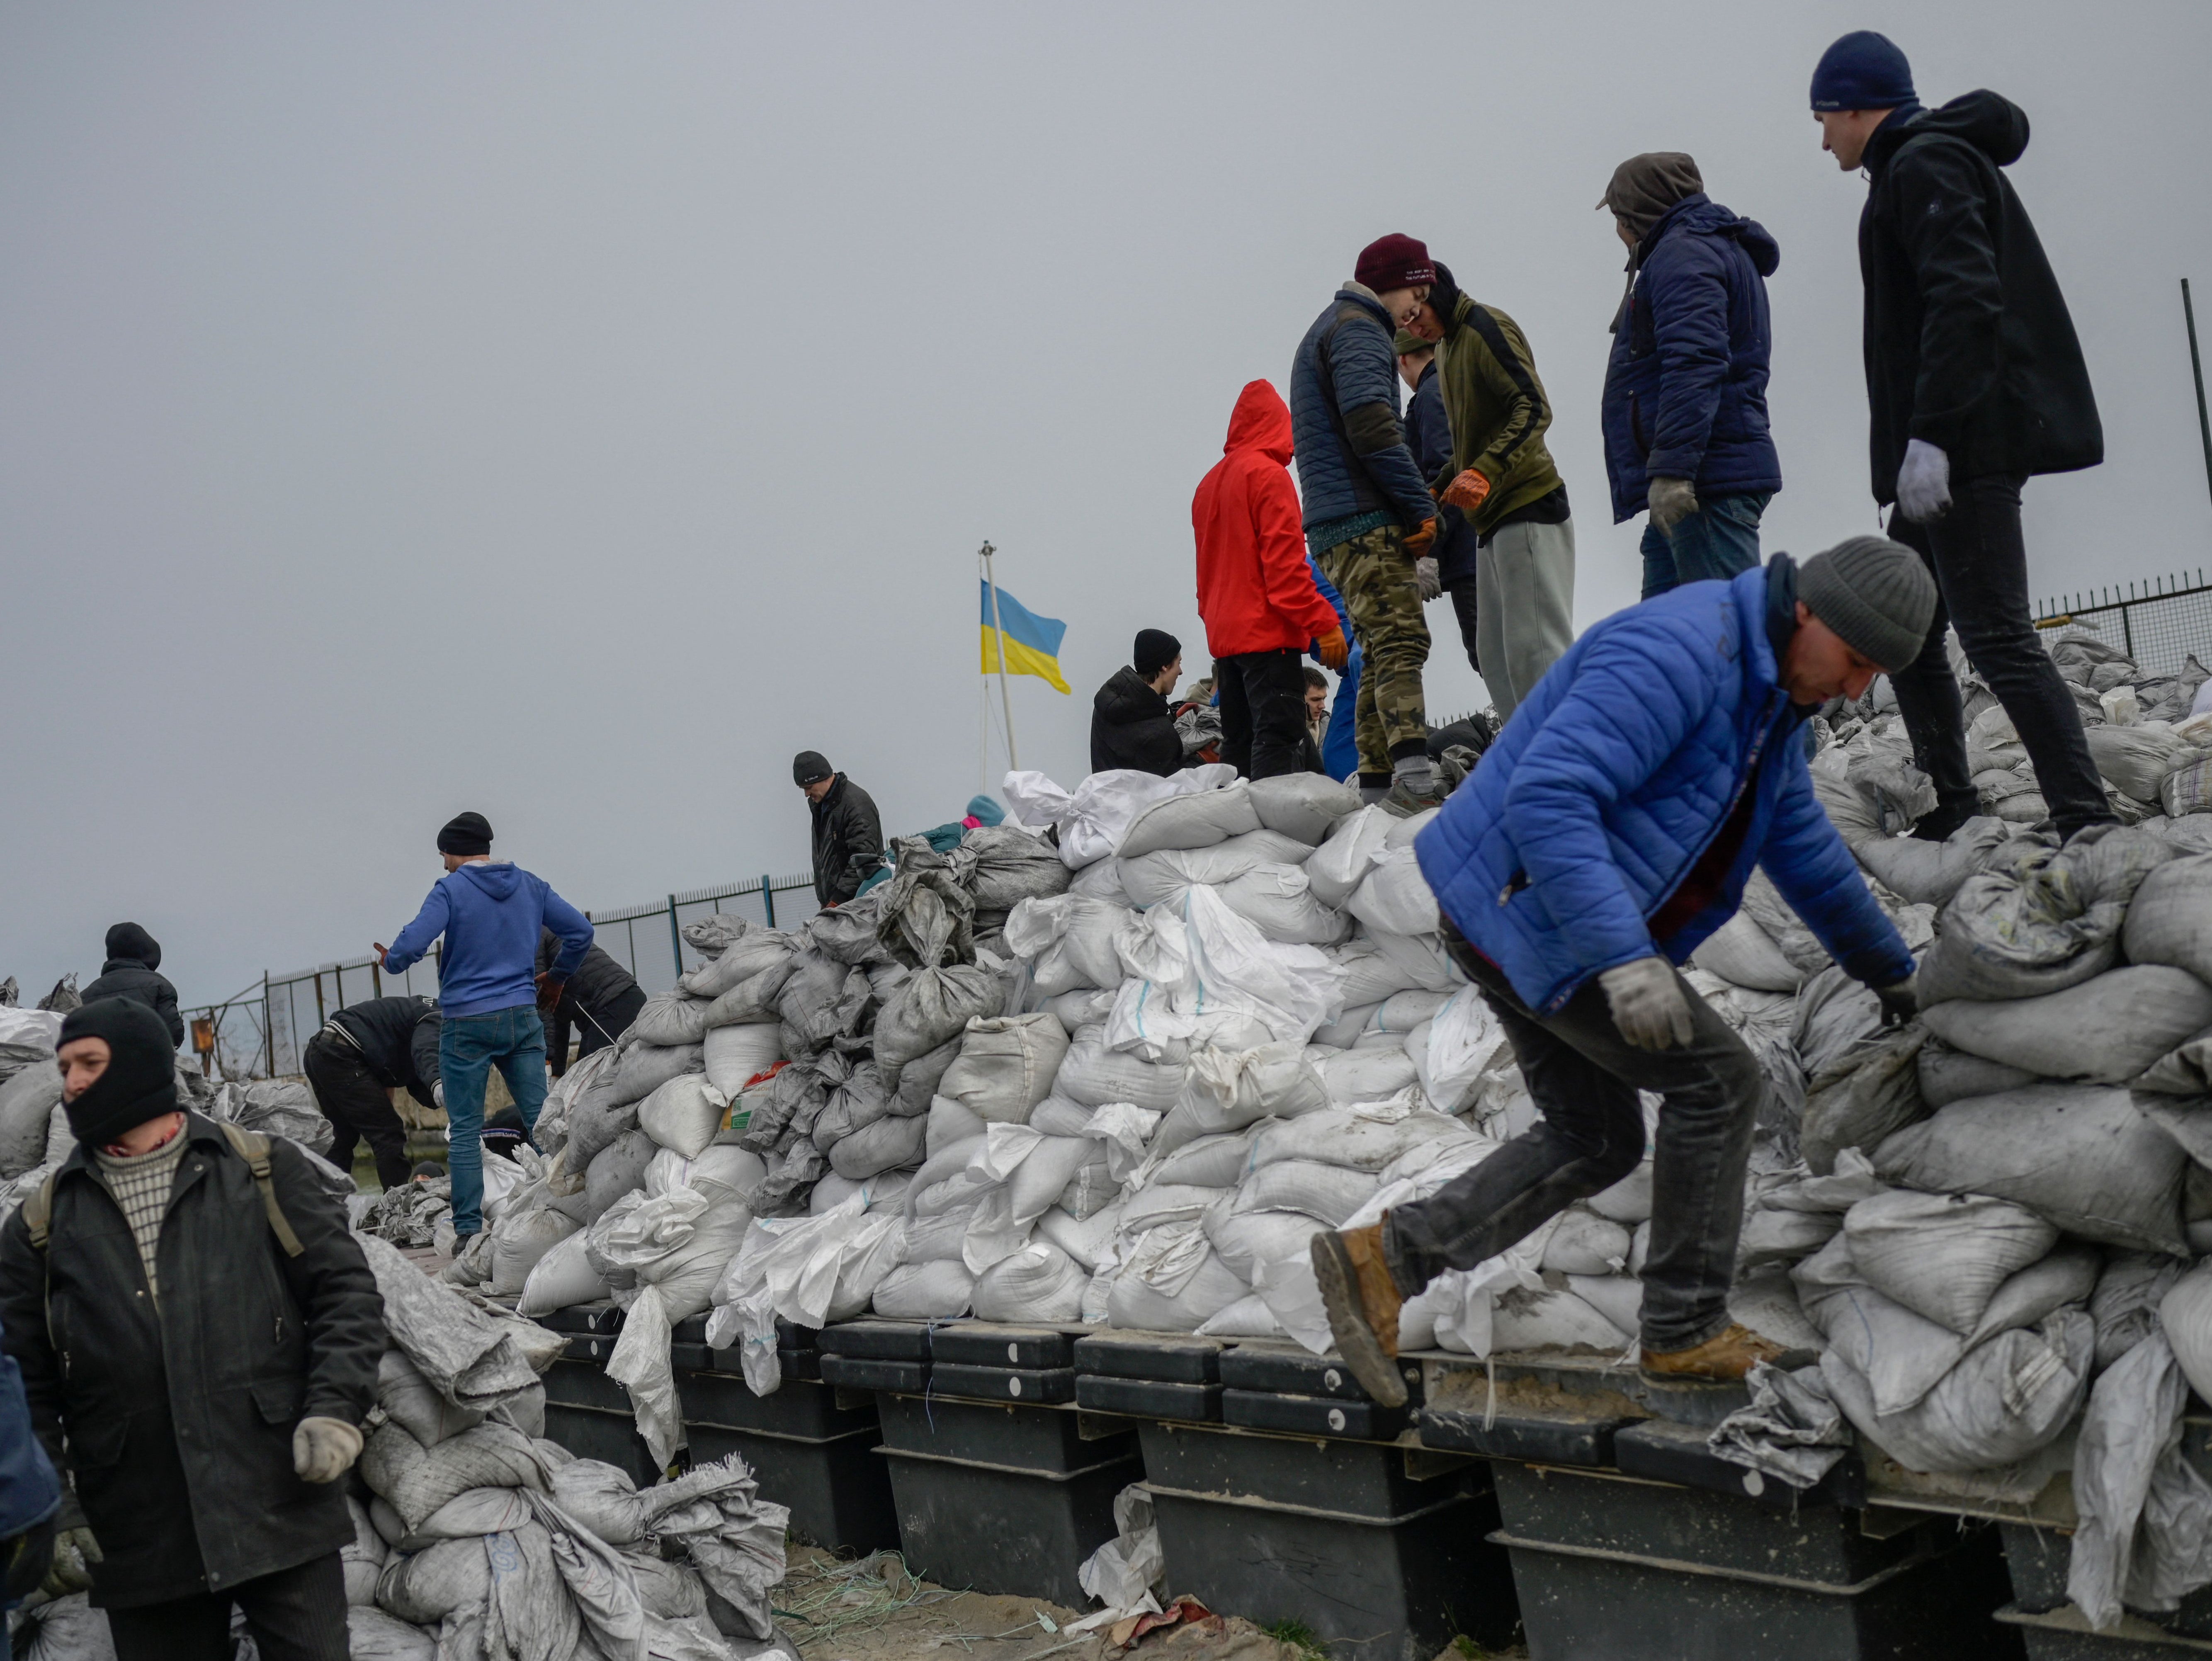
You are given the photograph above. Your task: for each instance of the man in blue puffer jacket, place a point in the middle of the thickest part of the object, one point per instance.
(1684, 411)
(1608, 831)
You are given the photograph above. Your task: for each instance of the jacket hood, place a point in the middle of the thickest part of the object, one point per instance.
(128, 941)
(1991, 123)
(1703, 216)
(1126, 698)
(1261, 422)
(498, 881)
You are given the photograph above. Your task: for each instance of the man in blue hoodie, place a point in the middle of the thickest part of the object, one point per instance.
(1608, 831)
(1685, 411)
(490, 913)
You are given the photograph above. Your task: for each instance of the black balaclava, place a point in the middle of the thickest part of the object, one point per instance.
(128, 939)
(141, 1081)
(466, 836)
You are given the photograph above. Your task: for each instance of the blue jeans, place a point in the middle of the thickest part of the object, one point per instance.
(1720, 539)
(468, 1047)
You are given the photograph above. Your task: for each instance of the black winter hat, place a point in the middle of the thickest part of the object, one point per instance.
(141, 1080)
(128, 939)
(1156, 648)
(809, 765)
(1862, 71)
(466, 836)
(1876, 595)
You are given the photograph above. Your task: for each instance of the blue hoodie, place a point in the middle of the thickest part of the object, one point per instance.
(490, 915)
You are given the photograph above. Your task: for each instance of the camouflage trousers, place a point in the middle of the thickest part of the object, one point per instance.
(1375, 576)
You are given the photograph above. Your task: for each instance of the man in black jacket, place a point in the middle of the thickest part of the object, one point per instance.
(1131, 724)
(362, 1051)
(599, 1001)
(199, 1336)
(133, 955)
(848, 832)
(1975, 382)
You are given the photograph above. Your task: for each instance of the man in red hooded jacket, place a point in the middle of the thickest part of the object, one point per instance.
(1255, 591)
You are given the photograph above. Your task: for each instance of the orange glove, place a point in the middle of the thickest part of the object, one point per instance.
(1418, 541)
(1332, 651)
(1468, 491)
(549, 991)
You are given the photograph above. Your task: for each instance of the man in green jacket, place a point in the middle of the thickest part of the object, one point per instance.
(1501, 477)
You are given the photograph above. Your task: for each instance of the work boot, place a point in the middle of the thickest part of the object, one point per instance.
(1404, 801)
(1940, 822)
(1724, 1358)
(1363, 1302)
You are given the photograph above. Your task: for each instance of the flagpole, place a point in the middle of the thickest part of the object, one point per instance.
(1005, 698)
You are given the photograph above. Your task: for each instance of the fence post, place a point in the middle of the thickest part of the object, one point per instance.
(268, 1024)
(675, 937)
(767, 897)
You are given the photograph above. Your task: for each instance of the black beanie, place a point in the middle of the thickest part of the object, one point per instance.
(141, 1081)
(128, 939)
(1156, 648)
(466, 836)
(807, 766)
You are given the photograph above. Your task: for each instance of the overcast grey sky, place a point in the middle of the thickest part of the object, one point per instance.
(570, 411)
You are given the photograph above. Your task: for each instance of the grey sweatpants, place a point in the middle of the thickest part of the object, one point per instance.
(1524, 587)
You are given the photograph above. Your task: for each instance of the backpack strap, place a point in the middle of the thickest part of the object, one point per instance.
(38, 1212)
(253, 1146)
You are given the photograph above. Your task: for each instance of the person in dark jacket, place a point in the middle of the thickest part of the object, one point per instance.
(1368, 514)
(599, 1003)
(133, 955)
(1609, 830)
(849, 831)
(1131, 724)
(362, 1051)
(1975, 381)
(1684, 411)
(198, 1346)
(30, 1496)
(1450, 566)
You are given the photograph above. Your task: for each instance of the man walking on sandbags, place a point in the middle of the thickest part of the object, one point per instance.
(1684, 414)
(598, 1003)
(1131, 724)
(490, 913)
(133, 956)
(849, 831)
(1609, 830)
(1368, 514)
(1255, 592)
(363, 1052)
(198, 1336)
(1975, 381)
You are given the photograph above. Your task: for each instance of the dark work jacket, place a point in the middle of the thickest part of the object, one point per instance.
(127, 977)
(1352, 457)
(177, 1427)
(848, 840)
(1428, 432)
(398, 1038)
(1969, 346)
(1131, 726)
(599, 980)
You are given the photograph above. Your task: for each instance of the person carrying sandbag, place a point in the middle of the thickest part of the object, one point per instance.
(198, 1336)
(1610, 828)
(490, 992)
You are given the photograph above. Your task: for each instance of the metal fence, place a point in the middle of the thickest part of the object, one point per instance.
(259, 1032)
(2158, 624)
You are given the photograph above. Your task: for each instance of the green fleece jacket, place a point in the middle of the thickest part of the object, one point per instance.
(1499, 411)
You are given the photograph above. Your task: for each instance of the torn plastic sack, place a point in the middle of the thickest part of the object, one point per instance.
(2145, 1513)
(1127, 1573)
(1792, 1431)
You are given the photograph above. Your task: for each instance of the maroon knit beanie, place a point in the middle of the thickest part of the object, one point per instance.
(1395, 261)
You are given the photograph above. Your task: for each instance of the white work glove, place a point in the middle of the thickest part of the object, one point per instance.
(1424, 573)
(1923, 483)
(324, 1450)
(1647, 1003)
(1671, 501)
(438, 1094)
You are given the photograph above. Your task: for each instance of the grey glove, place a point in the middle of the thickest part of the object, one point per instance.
(1424, 573)
(1648, 1005)
(1923, 483)
(1901, 1000)
(74, 1550)
(324, 1449)
(1671, 501)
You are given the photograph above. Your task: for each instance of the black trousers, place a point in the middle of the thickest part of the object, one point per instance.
(1980, 563)
(357, 1108)
(597, 1027)
(1263, 712)
(1461, 595)
(295, 1615)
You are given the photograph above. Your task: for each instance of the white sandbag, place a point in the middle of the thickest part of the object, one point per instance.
(1628, 1202)
(1089, 1240)
(616, 1170)
(1094, 1075)
(2107, 1029)
(890, 1144)
(737, 1053)
(935, 1004)
(1930, 873)
(1211, 1161)
(2136, 760)
(1401, 1012)
(1369, 975)
(1948, 1075)
(1862, 1100)
(1209, 1290)
(2130, 1287)
(1197, 820)
(1767, 1304)
(519, 1241)
(684, 1114)
(1087, 1006)
(2038, 919)
(951, 1123)
(28, 1102)
(2004, 1401)
(1068, 942)
(1420, 960)
(1092, 1187)
(1360, 1139)
(1039, 1283)
(1525, 1320)
(409, 1401)
(2186, 1313)
(2082, 1156)
(1742, 954)
(1836, 1015)
(1248, 1317)
(669, 1020)
(1772, 1236)
(1451, 1052)
(1205, 959)
(371, 1635)
(720, 1173)
(1366, 1075)
(1249, 1238)
(1278, 900)
(935, 1291)
(1231, 1089)
(1395, 897)
(1944, 1256)
(1586, 1244)
(561, 1279)
(1305, 806)
(1101, 881)
(2169, 922)
(1159, 878)
(1006, 1066)
(1342, 863)
(1330, 1192)
(1764, 904)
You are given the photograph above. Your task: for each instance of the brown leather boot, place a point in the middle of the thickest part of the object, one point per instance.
(1362, 1303)
(1724, 1358)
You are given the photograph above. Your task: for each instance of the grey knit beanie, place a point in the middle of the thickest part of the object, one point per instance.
(1876, 595)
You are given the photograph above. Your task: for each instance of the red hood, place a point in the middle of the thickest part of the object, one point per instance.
(1261, 422)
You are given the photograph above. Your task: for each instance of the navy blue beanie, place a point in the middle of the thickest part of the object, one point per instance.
(1863, 71)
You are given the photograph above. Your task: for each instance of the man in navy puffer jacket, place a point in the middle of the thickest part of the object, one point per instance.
(1608, 831)
(1684, 411)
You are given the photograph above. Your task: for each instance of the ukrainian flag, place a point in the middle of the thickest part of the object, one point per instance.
(1032, 642)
